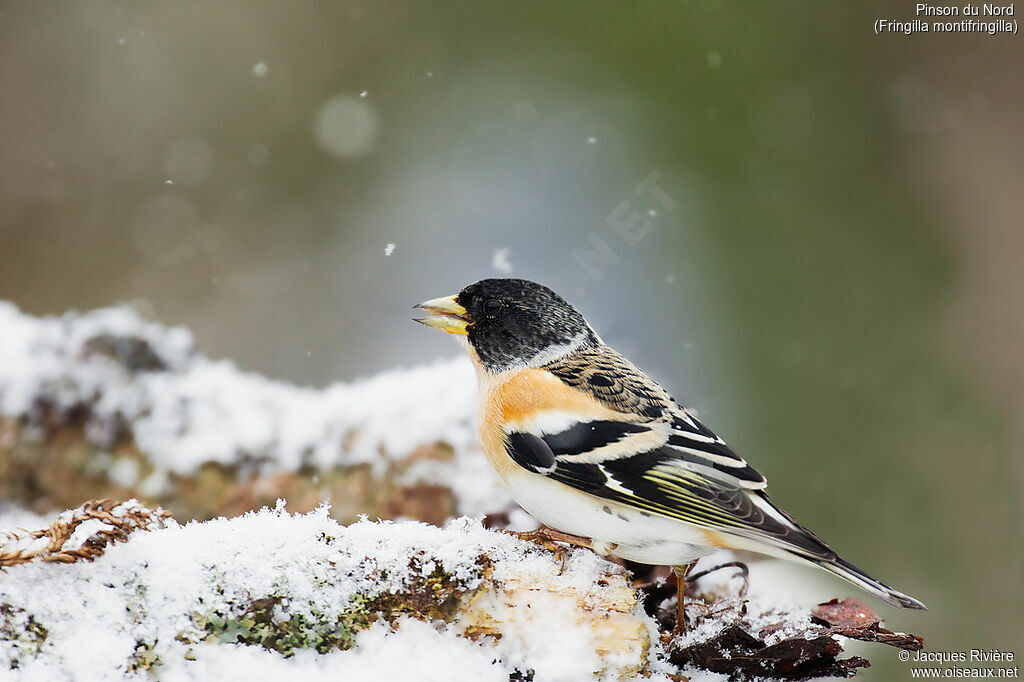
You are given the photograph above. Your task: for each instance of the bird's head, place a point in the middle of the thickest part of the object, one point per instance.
(510, 322)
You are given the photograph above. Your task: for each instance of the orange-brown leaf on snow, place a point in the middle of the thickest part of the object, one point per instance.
(853, 619)
(848, 613)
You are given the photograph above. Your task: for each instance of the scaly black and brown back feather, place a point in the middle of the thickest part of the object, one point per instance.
(617, 383)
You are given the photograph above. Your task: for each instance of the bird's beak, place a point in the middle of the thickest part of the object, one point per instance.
(445, 314)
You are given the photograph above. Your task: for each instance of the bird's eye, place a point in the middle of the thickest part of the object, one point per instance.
(492, 308)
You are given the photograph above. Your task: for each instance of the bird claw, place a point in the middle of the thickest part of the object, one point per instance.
(548, 538)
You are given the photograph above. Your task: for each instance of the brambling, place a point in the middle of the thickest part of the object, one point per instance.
(599, 453)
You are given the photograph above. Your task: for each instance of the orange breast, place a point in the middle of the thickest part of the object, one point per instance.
(518, 396)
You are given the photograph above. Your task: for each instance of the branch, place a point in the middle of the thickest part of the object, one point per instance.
(282, 583)
(279, 583)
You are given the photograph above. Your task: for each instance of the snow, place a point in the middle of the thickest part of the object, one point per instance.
(124, 472)
(13, 517)
(188, 409)
(500, 262)
(150, 593)
(346, 126)
(415, 650)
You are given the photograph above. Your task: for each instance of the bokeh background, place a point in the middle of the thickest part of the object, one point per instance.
(831, 277)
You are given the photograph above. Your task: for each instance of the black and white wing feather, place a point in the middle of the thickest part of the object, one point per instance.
(658, 458)
(597, 458)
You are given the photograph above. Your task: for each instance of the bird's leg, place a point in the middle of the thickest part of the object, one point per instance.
(681, 573)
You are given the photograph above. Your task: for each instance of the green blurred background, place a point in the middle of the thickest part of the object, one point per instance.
(836, 288)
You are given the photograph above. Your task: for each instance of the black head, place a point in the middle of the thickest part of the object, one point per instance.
(512, 322)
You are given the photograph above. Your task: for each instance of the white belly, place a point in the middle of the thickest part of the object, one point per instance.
(635, 536)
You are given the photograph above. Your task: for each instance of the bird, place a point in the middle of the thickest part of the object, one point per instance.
(601, 455)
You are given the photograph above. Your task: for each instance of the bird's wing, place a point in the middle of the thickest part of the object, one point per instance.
(611, 380)
(662, 481)
(659, 458)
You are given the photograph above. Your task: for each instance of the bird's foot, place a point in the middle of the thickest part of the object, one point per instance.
(546, 536)
(549, 539)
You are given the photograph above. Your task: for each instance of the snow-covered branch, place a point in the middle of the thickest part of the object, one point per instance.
(108, 404)
(118, 591)
(426, 603)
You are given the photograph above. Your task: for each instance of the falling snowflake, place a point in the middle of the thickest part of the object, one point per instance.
(499, 261)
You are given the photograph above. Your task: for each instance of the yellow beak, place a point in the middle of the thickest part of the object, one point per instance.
(444, 314)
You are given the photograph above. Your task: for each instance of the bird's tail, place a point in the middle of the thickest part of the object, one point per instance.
(778, 534)
(847, 571)
(796, 541)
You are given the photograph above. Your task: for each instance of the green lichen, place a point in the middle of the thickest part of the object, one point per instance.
(256, 625)
(435, 596)
(25, 634)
